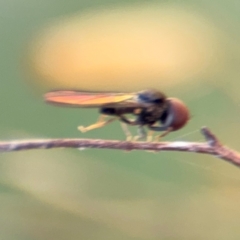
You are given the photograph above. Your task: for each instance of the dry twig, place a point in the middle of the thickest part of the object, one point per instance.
(212, 146)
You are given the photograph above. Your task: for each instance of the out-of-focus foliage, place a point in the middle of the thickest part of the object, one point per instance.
(189, 50)
(109, 49)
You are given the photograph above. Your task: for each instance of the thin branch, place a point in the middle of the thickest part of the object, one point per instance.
(212, 146)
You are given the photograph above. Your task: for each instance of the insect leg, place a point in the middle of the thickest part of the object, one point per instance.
(150, 136)
(165, 128)
(141, 134)
(128, 121)
(126, 131)
(163, 134)
(100, 123)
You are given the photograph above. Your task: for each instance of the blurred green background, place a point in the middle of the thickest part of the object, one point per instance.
(187, 49)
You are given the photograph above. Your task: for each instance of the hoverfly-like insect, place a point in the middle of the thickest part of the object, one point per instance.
(151, 108)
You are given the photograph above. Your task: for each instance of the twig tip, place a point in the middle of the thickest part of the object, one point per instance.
(210, 137)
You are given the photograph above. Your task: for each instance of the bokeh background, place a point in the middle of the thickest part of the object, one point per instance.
(187, 49)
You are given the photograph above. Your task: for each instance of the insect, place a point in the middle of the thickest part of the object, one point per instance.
(151, 109)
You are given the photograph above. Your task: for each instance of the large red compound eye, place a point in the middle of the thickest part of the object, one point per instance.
(179, 114)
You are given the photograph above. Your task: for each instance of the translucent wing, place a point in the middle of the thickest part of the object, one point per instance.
(90, 99)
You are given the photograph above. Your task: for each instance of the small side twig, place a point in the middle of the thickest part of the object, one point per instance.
(212, 146)
(210, 137)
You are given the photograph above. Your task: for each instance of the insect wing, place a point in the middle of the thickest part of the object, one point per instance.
(86, 99)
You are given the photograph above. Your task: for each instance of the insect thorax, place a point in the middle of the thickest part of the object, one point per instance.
(150, 115)
(112, 111)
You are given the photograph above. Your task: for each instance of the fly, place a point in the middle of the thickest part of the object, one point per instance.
(151, 109)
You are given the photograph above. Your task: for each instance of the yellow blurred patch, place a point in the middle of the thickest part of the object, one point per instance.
(125, 49)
